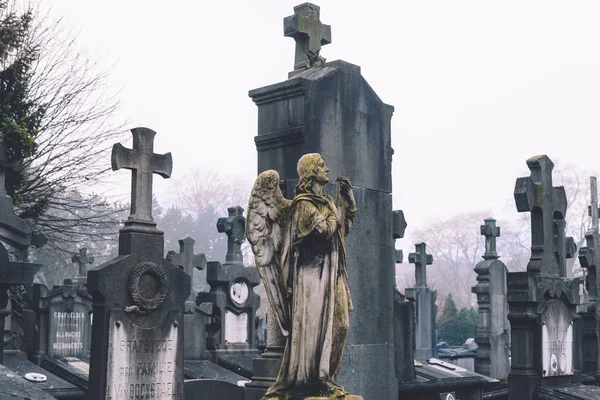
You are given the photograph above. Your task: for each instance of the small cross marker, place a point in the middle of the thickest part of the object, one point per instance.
(491, 232)
(234, 226)
(421, 260)
(82, 260)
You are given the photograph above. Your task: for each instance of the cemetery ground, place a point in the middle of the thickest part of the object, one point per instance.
(185, 323)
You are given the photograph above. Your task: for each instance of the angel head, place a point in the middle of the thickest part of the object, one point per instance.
(311, 169)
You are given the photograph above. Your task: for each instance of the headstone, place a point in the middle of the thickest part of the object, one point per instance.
(493, 329)
(541, 300)
(82, 260)
(231, 292)
(330, 109)
(137, 335)
(589, 257)
(64, 322)
(424, 299)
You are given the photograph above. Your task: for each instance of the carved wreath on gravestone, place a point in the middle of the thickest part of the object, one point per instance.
(138, 288)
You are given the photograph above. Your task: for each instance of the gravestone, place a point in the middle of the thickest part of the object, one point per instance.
(231, 292)
(138, 297)
(589, 257)
(64, 322)
(82, 260)
(542, 300)
(493, 329)
(424, 299)
(330, 109)
(196, 317)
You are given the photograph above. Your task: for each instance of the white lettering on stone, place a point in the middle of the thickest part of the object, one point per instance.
(68, 334)
(236, 327)
(557, 340)
(142, 363)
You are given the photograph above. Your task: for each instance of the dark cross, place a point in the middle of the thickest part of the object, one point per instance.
(186, 259)
(421, 260)
(235, 227)
(589, 256)
(547, 204)
(142, 161)
(491, 232)
(398, 228)
(308, 32)
(82, 260)
(565, 246)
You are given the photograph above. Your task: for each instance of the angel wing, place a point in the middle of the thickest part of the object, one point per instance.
(266, 228)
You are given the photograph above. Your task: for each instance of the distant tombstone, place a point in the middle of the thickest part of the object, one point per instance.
(231, 291)
(426, 310)
(589, 257)
(542, 300)
(64, 323)
(493, 330)
(82, 260)
(196, 317)
(137, 337)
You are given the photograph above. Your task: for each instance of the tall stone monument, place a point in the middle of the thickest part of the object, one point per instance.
(138, 297)
(542, 300)
(589, 257)
(493, 330)
(329, 108)
(15, 236)
(424, 299)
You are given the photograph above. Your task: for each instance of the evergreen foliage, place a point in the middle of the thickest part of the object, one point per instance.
(455, 327)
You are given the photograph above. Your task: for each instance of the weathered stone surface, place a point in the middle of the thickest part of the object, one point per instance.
(137, 338)
(14, 387)
(204, 369)
(200, 389)
(493, 330)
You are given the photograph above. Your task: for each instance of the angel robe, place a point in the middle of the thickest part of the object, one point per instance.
(314, 263)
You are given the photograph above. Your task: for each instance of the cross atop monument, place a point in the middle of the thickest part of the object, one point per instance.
(7, 164)
(235, 227)
(421, 260)
(491, 232)
(186, 259)
(547, 204)
(589, 256)
(82, 260)
(143, 162)
(309, 33)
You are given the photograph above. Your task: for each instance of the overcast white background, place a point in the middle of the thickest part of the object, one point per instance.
(478, 86)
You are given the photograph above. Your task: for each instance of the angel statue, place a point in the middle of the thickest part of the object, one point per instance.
(299, 249)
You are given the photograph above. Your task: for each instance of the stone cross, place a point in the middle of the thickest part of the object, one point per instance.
(234, 226)
(547, 204)
(308, 32)
(589, 256)
(186, 259)
(143, 162)
(491, 232)
(7, 164)
(421, 259)
(398, 228)
(82, 260)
